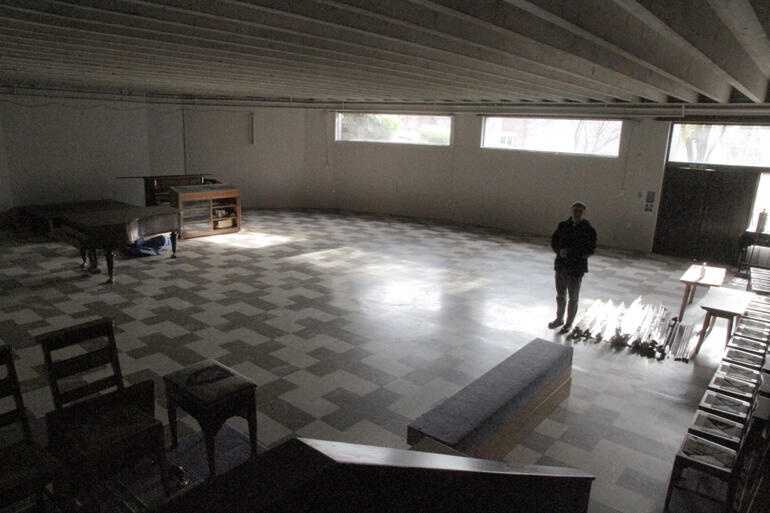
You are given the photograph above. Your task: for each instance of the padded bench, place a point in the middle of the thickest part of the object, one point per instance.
(487, 418)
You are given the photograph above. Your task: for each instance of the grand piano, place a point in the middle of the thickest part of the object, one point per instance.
(106, 225)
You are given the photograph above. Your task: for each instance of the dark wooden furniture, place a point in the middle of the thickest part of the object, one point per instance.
(733, 387)
(110, 227)
(48, 217)
(724, 304)
(303, 476)
(746, 243)
(717, 429)
(211, 393)
(25, 468)
(722, 457)
(759, 281)
(98, 425)
(156, 187)
(748, 344)
(702, 213)
(487, 418)
(699, 276)
(209, 209)
(708, 458)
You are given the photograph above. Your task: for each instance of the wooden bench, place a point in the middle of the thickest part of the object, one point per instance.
(487, 418)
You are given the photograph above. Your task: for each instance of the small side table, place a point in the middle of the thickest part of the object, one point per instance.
(699, 276)
(725, 304)
(211, 393)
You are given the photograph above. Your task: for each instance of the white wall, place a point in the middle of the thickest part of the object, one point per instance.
(526, 192)
(6, 196)
(166, 142)
(73, 150)
(68, 150)
(269, 170)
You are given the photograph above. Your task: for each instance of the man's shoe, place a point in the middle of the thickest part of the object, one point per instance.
(555, 323)
(565, 329)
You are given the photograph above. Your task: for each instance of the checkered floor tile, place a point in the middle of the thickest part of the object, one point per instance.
(353, 325)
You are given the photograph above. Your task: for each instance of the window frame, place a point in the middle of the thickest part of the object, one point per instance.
(338, 139)
(709, 165)
(552, 152)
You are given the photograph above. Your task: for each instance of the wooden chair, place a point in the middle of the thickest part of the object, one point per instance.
(96, 432)
(710, 459)
(25, 468)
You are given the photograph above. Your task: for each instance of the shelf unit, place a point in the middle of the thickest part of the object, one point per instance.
(208, 209)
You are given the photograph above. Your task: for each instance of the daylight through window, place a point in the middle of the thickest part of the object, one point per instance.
(761, 202)
(394, 128)
(732, 145)
(585, 136)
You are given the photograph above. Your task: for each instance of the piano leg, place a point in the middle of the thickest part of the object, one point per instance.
(173, 244)
(109, 255)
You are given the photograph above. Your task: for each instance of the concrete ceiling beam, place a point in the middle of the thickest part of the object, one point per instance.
(162, 22)
(743, 20)
(551, 41)
(606, 23)
(696, 25)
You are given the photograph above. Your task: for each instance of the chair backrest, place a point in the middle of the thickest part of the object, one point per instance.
(85, 336)
(9, 386)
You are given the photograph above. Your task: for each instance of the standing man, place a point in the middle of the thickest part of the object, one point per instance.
(573, 242)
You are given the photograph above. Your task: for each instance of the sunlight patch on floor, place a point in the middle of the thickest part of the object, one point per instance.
(248, 240)
(513, 317)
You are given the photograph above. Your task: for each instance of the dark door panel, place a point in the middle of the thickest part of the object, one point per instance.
(726, 214)
(703, 213)
(681, 202)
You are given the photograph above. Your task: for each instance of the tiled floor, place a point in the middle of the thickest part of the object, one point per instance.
(354, 325)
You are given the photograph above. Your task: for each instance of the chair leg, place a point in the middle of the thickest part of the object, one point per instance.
(676, 475)
(160, 459)
(252, 420)
(92, 495)
(40, 501)
(64, 495)
(210, 427)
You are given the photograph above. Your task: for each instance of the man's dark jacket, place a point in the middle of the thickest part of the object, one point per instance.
(580, 242)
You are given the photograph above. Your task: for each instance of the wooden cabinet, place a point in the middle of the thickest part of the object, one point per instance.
(207, 209)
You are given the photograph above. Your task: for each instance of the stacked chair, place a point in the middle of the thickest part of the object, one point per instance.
(759, 280)
(25, 469)
(726, 446)
(98, 425)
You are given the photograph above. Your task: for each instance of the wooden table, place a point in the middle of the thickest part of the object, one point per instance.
(211, 393)
(699, 276)
(725, 304)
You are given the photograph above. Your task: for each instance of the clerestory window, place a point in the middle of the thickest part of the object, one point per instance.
(581, 136)
(394, 128)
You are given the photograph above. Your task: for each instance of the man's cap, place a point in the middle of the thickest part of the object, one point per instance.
(579, 203)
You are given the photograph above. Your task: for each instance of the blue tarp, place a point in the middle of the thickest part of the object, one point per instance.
(149, 247)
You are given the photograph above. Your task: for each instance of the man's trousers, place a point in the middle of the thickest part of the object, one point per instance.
(567, 285)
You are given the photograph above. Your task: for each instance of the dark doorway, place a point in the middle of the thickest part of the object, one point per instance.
(703, 212)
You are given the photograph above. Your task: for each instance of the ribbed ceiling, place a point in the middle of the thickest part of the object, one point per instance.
(415, 51)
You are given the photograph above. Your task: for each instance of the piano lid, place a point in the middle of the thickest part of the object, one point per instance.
(123, 225)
